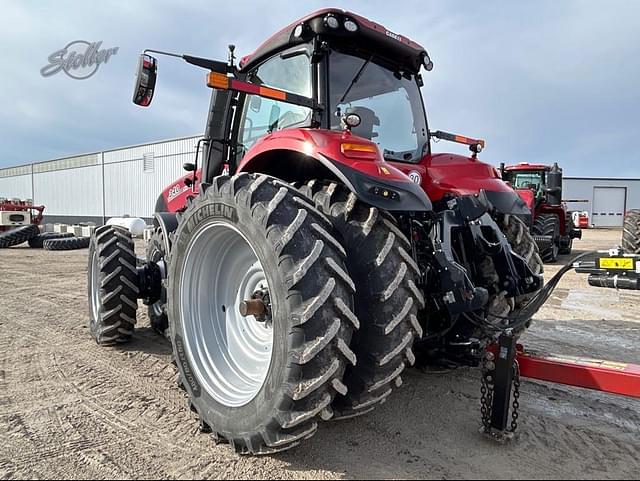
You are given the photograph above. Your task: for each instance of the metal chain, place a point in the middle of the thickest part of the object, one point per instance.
(516, 397)
(486, 398)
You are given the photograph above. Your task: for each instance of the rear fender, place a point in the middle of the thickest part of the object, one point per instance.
(301, 159)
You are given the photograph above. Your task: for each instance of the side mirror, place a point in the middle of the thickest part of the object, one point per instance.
(189, 167)
(145, 80)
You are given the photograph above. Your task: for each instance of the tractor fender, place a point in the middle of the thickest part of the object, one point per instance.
(508, 202)
(168, 223)
(367, 179)
(294, 166)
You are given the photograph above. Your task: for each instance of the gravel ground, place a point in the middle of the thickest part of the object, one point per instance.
(69, 409)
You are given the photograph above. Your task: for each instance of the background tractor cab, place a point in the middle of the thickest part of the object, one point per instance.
(540, 187)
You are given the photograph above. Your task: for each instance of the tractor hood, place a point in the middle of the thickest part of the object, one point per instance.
(460, 175)
(443, 176)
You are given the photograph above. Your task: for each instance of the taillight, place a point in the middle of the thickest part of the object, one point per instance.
(359, 151)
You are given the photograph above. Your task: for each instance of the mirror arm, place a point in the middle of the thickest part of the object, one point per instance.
(213, 65)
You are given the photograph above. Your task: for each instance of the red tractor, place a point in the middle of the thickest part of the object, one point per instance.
(19, 220)
(540, 186)
(321, 247)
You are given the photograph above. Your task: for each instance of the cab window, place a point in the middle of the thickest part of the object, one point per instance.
(290, 72)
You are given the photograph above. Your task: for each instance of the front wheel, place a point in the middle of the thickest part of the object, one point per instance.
(157, 311)
(261, 312)
(567, 242)
(112, 285)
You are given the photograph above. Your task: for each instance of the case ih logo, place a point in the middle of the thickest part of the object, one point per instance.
(394, 36)
(79, 59)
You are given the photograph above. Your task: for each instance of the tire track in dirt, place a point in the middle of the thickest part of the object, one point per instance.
(133, 411)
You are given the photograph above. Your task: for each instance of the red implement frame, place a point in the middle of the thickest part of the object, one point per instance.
(605, 376)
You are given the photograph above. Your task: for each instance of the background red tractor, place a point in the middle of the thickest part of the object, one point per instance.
(321, 247)
(540, 186)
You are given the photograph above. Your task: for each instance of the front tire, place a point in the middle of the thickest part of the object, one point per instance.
(566, 249)
(157, 311)
(112, 285)
(259, 383)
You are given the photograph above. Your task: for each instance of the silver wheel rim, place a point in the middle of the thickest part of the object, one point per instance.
(229, 354)
(95, 286)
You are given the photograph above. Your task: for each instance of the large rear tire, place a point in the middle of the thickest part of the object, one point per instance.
(501, 308)
(260, 383)
(387, 299)
(112, 285)
(631, 232)
(18, 236)
(548, 225)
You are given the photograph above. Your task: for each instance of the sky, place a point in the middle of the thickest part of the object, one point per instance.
(540, 81)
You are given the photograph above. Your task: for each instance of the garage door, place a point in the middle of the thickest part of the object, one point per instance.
(608, 206)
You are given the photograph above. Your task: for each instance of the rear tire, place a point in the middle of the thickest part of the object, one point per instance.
(256, 231)
(631, 232)
(387, 299)
(548, 225)
(18, 236)
(112, 285)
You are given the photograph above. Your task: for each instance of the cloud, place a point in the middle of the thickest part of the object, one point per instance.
(541, 81)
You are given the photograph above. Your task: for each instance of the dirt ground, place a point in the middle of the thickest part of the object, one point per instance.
(69, 409)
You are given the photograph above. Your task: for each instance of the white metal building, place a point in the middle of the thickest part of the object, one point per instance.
(128, 180)
(97, 186)
(605, 199)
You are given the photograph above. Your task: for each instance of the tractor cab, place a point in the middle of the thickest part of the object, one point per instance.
(540, 187)
(529, 181)
(354, 69)
(536, 184)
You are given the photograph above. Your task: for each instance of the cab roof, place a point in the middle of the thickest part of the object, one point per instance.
(371, 37)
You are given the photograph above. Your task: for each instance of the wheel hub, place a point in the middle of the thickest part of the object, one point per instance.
(230, 353)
